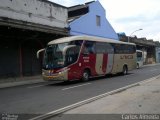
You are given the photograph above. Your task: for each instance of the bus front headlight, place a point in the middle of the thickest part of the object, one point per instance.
(60, 73)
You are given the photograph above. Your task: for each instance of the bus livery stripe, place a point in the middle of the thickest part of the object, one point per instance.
(99, 61)
(104, 65)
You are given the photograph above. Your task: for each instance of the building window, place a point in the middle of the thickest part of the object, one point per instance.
(98, 20)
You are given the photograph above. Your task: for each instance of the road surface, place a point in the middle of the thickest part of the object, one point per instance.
(38, 99)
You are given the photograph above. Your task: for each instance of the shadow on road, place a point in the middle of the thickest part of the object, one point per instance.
(73, 82)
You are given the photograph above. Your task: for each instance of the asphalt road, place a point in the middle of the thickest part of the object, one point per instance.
(37, 99)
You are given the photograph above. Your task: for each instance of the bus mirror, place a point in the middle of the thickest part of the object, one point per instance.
(41, 50)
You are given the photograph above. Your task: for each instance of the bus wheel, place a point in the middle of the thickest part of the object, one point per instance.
(85, 76)
(125, 70)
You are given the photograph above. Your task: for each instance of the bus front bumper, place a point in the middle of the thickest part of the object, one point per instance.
(61, 76)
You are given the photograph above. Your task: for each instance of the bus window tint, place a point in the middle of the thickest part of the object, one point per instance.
(73, 52)
(104, 48)
(131, 48)
(124, 49)
(89, 47)
(71, 55)
(100, 47)
(53, 57)
(109, 48)
(77, 42)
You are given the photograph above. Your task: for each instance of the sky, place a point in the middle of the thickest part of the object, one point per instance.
(129, 15)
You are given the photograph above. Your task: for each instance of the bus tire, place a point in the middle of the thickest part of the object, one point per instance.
(125, 70)
(86, 75)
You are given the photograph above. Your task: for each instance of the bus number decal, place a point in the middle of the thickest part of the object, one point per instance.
(86, 59)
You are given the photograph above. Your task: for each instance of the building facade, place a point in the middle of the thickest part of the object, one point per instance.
(25, 27)
(158, 52)
(90, 19)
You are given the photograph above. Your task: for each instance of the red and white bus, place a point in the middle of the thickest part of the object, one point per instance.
(82, 57)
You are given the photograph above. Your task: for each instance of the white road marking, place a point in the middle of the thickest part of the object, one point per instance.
(36, 86)
(76, 86)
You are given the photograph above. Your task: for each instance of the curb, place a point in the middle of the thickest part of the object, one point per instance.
(19, 83)
(149, 65)
(62, 110)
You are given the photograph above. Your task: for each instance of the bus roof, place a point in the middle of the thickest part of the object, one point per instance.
(88, 38)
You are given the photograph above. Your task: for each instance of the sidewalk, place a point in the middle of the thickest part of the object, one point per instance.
(142, 99)
(11, 82)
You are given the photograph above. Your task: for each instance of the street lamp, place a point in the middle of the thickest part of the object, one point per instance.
(133, 32)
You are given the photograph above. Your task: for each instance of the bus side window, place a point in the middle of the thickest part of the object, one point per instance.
(124, 49)
(71, 55)
(101, 47)
(109, 48)
(89, 47)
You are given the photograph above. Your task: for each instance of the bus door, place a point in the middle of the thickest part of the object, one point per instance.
(72, 54)
(89, 56)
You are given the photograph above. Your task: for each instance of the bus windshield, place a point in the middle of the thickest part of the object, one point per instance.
(53, 57)
(59, 55)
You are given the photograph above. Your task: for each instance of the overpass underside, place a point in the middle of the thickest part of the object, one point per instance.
(19, 42)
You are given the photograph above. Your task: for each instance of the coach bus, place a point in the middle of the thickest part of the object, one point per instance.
(139, 58)
(82, 57)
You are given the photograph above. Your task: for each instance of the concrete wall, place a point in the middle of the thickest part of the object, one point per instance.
(86, 24)
(16, 56)
(25, 27)
(34, 11)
